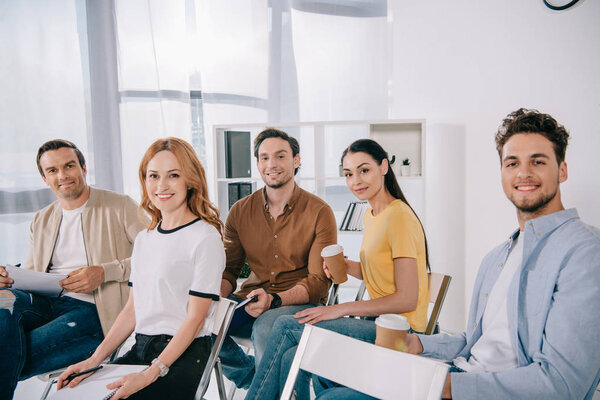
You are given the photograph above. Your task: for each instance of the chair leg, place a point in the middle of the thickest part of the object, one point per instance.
(47, 389)
(219, 379)
(231, 392)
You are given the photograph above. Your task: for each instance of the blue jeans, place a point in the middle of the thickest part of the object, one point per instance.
(272, 371)
(239, 367)
(41, 334)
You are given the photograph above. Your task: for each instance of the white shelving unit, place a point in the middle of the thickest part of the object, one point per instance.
(321, 145)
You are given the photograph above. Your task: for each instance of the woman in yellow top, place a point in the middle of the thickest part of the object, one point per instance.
(393, 264)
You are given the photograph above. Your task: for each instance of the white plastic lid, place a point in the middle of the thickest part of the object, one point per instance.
(332, 250)
(392, 321)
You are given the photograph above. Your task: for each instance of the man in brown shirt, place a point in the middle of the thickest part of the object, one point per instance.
(280, 231)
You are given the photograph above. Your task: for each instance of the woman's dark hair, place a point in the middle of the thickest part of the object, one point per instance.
(375, 150)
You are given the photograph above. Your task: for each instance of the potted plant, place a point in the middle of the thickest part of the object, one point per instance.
(405, 167)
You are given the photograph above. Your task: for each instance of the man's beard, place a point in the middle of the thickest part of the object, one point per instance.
(73, 194)
(281, 183)
(536, 205)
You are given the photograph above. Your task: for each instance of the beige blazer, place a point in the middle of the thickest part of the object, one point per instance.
(110, 224)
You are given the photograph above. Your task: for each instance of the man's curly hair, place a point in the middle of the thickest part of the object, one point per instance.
(532, 121)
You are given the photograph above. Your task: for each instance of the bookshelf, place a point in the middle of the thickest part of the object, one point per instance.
(321, 145)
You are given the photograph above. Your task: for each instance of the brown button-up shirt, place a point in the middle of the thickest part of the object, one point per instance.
(282, 252)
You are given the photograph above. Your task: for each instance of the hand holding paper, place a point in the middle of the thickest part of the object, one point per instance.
(35, 282)
(5, 281)
(84, 280)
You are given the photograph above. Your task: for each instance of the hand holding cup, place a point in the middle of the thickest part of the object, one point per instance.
(334, 264)
(391, 331)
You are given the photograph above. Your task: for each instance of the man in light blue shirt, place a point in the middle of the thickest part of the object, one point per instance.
(533, 329)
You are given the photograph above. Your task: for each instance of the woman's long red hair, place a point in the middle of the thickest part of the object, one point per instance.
(192, 172)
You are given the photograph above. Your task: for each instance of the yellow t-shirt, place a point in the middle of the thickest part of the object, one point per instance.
(395, 232)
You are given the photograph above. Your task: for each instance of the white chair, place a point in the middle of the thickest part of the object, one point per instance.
(376, 371)
(222, 319)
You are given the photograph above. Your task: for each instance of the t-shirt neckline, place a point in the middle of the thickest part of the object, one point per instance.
(167, 231)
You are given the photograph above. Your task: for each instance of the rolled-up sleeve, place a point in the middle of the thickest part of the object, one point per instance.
(316, 282)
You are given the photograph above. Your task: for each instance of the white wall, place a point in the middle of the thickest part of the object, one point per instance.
(466, 65)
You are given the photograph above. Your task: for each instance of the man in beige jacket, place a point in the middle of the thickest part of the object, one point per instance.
(88, 235)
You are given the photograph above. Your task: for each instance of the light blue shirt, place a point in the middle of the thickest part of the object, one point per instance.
(553, 313)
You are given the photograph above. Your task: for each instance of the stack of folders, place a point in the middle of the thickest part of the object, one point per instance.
(353, 219)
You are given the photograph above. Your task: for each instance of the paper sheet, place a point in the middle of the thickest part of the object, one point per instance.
(35, 282)
(94, 387)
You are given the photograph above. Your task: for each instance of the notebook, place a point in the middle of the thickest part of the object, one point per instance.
(94, 387)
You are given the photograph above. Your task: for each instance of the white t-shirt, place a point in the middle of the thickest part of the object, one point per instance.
(494, 351)
(69, 251)
(169, 266)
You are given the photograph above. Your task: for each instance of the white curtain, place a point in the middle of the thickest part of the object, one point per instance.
(44, 94)
(113, 76)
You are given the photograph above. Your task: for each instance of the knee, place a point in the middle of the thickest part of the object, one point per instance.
(262, 329)
(285, 323)
(264, 326)
(7, 300)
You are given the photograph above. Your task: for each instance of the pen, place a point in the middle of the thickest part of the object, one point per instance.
(76, 374)
(248, 300)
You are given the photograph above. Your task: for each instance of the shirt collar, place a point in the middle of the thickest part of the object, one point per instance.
(542, 226)
(291, 202)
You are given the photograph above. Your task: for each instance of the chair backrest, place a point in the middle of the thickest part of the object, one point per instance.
(222, 319)
(332, 298)
(438, 287)
(361, 291)
(376, 371)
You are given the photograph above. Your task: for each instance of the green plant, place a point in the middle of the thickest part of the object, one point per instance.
(406, 161)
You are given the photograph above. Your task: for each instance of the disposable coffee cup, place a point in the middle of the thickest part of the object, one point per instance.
(391, 331)
(334, 259)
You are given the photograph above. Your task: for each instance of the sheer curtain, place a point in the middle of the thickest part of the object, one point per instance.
(44, 94)
(113, 76)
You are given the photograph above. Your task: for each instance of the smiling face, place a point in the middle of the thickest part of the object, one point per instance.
(166, 187)
(531, 175)
(63, 174)
(363, 176)
(276, 163)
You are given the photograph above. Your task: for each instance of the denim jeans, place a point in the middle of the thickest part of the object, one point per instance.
(272, 372)
(239, 367)
(184, 374)
(41, 334)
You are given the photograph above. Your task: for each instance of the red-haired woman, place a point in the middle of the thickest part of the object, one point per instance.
(176, 274)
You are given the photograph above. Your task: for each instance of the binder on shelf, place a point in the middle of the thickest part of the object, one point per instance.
(246, 189)
(353, 218)
(237, 154)
(233, 192)
(342, 225)
(237, 191)
(352, 206)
